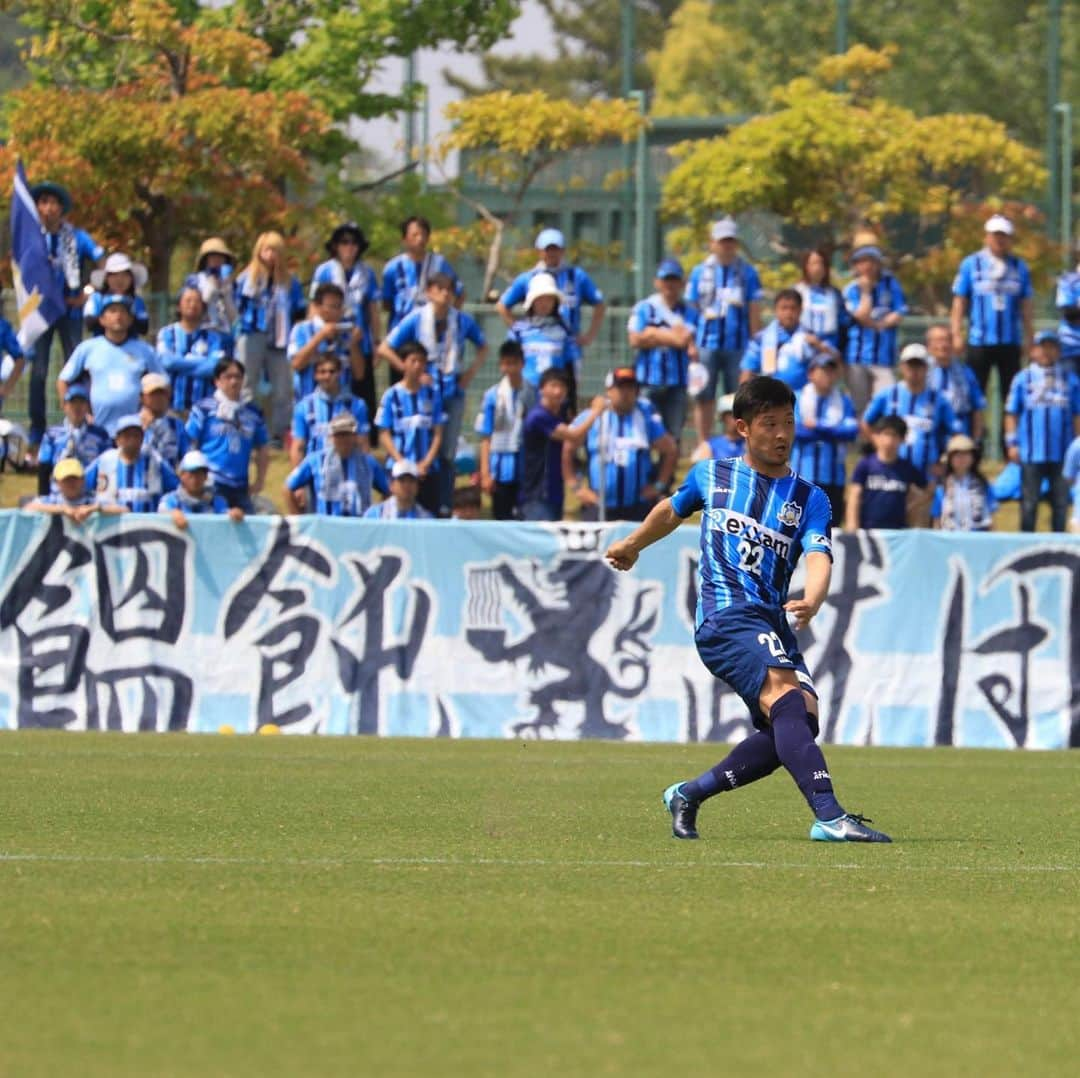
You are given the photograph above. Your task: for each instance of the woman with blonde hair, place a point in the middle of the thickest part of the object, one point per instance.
(269, 300)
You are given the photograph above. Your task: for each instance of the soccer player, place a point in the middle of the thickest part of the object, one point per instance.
(1042, 416)
(761, 518)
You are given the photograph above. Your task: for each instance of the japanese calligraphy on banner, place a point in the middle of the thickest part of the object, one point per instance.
(501, 630)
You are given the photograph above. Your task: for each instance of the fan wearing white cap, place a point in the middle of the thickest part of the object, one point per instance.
(545, 340)
(132, 474)
(576, 288)
(342, 473)
(115, 363)
(405, 276)
(195, 494)
(726, 291)
(69, 248)
(404, 490)
(120, 276)
(926, 412)
(992, 290)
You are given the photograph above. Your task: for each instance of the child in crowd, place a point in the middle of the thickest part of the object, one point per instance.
(963, 501)
(71, 498)
(544, 338)
(886, 491)
(195, 494)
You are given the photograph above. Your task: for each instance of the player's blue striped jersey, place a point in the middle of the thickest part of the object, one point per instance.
(929, 418)
(754, 529)
(502, 419)
(1071, 470)
(820, 451)
(876, 347)
(342, 485)
(546, 342)
(577, 288)
(445, 347)
(299, 337)
(1067, 298)
(661, 366)
(1045, 400)
(189, 358)
(722, 296)
(166, 435)
(137, 486)
(404, 283)
(361, 289)
(824, 313)
(994, 289)
(621, 445)
(411, 418)
(210, 504)
(960, 387)
(782, 353)
(312, 415)
(85, 444)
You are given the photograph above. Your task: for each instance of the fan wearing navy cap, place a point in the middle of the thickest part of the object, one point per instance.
(347, 269)
(115, 363)
(195, 494)
(74, 439)
(992, 290)
(404, 490)
(726, 291)
(576, 288)
(342, 474)
(620, 444)
(132, 475)
(661, 330)
(68, 248)
(1042, 416)
(825, 425)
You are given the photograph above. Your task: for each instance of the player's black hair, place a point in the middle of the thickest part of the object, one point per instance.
(224, 364)
(412, 348)
(327, 288)
(554, 374)
(792, 294)
(759, 395)
(416, 219)
(894, 423)
(511, 349)
(441, 280)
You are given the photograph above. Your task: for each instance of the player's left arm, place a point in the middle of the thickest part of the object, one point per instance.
(818, 575)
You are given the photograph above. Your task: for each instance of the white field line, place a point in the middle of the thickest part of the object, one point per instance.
(508, 862)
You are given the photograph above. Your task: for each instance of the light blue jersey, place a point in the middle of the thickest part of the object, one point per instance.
(300, 337)
(411, 418)
(722, 296)
(960, 387)
(575, 285)
(404, 283)
(227, 440)
(820, 452)
(621, 445)
(782, 353)
(116, 372)
(876, 347)
(1046, 402)
(502, 418)
(342, 485)
(754, 529)
(445, 349)
(545, 343)
(312, 415)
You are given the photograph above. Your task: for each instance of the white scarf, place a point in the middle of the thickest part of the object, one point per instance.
(336, 489)
(509, 417)
(807, 400)
(772, 351)
(226, 408)
(709, 291)
(352, 282)
(67, 255)
(443, 353)
(963, 507)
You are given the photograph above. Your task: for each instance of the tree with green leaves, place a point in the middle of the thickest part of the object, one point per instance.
(827, 161)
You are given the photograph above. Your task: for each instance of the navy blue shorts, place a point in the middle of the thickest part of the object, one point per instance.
(740, 644)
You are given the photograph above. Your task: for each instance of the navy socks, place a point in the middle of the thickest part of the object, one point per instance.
(749, 761)
(800, 755)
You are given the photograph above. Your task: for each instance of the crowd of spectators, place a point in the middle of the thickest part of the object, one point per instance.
(363, 381)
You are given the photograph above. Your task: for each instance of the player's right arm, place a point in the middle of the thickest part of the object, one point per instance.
(663, 519)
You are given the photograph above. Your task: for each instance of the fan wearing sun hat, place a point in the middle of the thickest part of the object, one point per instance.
(544, 337)
(963, 500)
(992, 290)
(118, 277)
(213, 278)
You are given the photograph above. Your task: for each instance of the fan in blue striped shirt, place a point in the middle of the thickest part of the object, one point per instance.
(825, 425)
(405, 276)
(1042, 416)
(163, 432)
(957, 381)
(926, 412)
(1067, 301)
(312, 415)
(195, 495)
(74, 438)
(131, 475)
(342, 474)
(190, 351)
(661, 329)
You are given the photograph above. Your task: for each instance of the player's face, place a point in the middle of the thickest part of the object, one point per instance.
(327, 377)
(787, 313)
(867, 267)
(769, 436)
(194, 482)
(939, 344)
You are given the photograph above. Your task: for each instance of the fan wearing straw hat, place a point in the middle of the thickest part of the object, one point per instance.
(963, 500)
(213, 279)
(544, 337)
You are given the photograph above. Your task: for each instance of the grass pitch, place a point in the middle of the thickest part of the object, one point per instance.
(305, 906)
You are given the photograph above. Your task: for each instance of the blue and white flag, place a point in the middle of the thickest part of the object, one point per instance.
(39, 297)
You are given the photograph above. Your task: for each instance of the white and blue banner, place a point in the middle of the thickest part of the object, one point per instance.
(448, 629)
